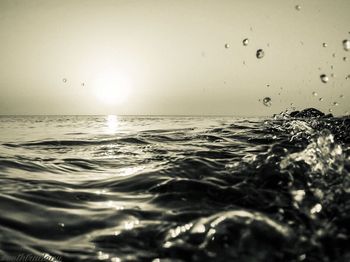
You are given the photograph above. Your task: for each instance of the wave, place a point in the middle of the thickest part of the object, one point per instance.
(254, 190)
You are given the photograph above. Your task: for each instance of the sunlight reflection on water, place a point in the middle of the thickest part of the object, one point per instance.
(112, 124)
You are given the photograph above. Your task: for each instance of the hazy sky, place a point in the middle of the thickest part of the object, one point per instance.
(169, 57)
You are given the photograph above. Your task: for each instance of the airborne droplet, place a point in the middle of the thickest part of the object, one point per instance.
(298, 7)
(245, 42)
(314, 93)
(324, 78)
(267, 101)
(320, 99)
(227, 46)
(82, 84)
(335, 103)
(324, 45)
(346, 44)
(345, 58)
(260, 53)
(64, 80)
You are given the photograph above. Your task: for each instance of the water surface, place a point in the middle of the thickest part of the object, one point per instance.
(107, 188)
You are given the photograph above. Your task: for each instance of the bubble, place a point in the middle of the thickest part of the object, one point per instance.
(64, 80)
(267, 101)
(245, 41)
(346, 44)
(260, 53)
(314, 93)
(335, 103)
(227, 46)
(324, 45)
(320, 99)
(298, 7)
(324, 78)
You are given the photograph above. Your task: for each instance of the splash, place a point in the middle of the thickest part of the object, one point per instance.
(321, 155)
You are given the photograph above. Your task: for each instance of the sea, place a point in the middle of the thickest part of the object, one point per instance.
(174, 188)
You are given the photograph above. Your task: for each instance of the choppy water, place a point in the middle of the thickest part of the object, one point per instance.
(86, 188)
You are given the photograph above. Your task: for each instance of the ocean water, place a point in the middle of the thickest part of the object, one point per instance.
(124, 188)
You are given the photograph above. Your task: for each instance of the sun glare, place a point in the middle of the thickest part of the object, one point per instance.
(112, 124)
(112, 88)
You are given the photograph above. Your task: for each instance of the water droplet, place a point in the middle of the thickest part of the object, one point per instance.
(341, 95)
(333, 75)
(245, 41)
(82, 84)
(291, 104)
(332, 67)
(320, 99)
(345, 58)
(335, 103)
(298, 7)
(227, 46)
(260, 53)
(346, 44)
(267, 101)
(333, 55)
(330, 110)
(347, 77)
(324, 45)
(314, 93)
(324, 78)
(268, 85)
(64, 80)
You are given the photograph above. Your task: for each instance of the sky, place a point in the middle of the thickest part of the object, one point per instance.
(180, 57)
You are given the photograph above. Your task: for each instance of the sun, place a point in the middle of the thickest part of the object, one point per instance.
(112, 88)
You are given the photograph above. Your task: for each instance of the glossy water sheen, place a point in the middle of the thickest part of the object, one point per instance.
(175, 188)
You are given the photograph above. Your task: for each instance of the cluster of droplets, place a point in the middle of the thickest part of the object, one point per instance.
(346, 46)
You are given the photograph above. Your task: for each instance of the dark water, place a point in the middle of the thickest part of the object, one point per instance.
(175, 188)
